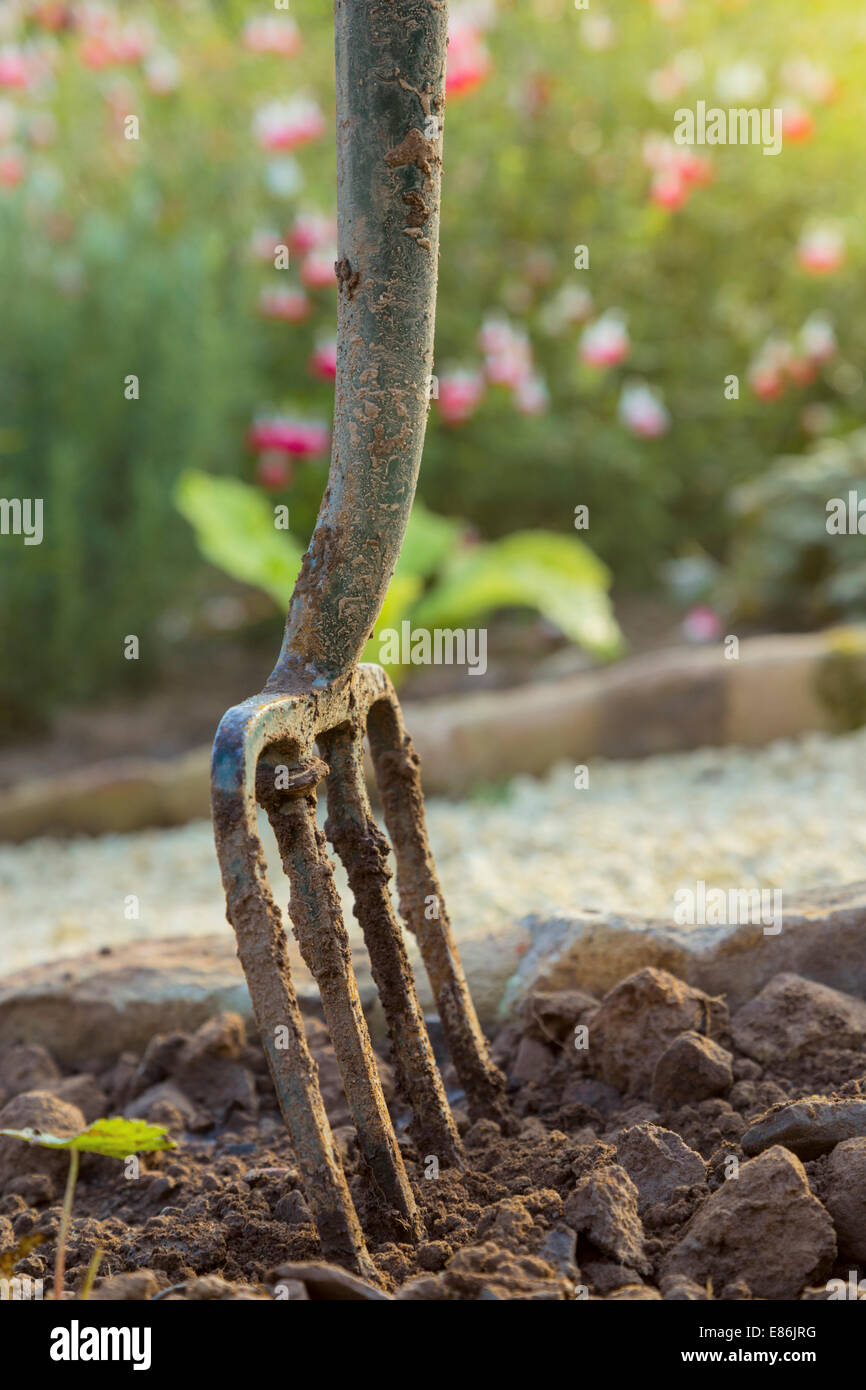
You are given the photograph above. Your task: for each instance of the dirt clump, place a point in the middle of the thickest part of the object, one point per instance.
(652, 1158)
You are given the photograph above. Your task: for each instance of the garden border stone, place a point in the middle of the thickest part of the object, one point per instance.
(661, 702)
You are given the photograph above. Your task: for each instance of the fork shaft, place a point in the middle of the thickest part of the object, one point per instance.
(390, 67)
(364, 851)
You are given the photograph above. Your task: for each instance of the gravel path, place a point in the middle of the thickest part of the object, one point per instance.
(790, 816)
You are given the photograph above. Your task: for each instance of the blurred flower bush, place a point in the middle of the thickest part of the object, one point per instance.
(199, 258)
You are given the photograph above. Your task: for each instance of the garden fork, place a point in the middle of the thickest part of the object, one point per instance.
(307, 727)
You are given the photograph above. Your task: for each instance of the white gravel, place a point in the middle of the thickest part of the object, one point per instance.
(790, 816)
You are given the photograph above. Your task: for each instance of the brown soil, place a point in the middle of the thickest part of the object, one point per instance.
(228, 1201)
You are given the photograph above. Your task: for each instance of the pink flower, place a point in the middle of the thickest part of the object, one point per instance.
(766, 382)
(597, 32)
(801, 371)
(460, 394)
(809, 80)
(605, 343)
(317, 270)
(666, 84)
(162, 73)
(51, 15)
(96, 51)
(468, 61)
(531, 397)
(272, 34)
(274, 471)
(264, 243)
(11, 168)
(570, 305)
(818, 338)
(669, 190)
(821, 250)
(507, 350)
(120, 99)
(676, 168)
(309, 231)
(284, 125)
(283, 434)
(495, 334)
(766, 375)
(323, 362)
(14, 68)
(641, 411)
(701, 624)
(290, 305)
(658, 152)
(132, 43)
(695, 168)
(797, 123)
(513, 367)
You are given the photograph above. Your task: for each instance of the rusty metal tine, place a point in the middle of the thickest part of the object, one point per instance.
(261, 940)
(398, 775)
(318, 921)
(364, 851)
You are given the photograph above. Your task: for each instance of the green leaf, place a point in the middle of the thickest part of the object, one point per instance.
(234, 529)
(403, 590)
(428, 542)
(116, 1138)
(556, 575)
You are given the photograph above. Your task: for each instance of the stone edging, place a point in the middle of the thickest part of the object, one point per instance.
(661, 702)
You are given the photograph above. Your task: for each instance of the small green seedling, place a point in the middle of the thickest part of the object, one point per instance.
(117, 1138)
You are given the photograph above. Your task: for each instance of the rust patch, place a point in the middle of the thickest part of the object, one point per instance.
(347, 278)
(415, 149)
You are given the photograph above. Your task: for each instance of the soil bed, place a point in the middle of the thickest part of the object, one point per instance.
(638, 1171)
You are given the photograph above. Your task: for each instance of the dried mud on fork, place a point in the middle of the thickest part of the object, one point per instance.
(675, 1156)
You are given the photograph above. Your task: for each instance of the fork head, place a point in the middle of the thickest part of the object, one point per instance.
(267, 754)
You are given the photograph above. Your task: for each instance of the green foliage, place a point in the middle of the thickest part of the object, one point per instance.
(121, 257)
(441, 579)
(115, 1138)
(556, 575)
(234, 528)
(785, 566)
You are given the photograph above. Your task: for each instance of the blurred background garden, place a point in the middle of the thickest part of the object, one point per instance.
(169, 312)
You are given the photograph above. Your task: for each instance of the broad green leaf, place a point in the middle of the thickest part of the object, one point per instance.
(234, 528)
(116, 1138)
(428, 542)
(557, 576)
(403, 590)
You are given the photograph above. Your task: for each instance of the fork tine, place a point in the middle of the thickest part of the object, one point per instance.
(318, 922)
(398, 775)
(261, 942)
(364, 851)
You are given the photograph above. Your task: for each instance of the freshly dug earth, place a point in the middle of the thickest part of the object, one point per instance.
(655, 1158)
